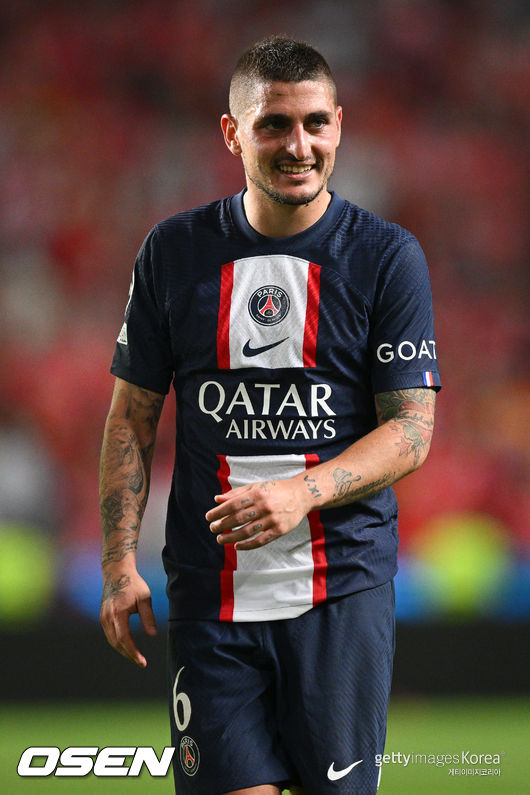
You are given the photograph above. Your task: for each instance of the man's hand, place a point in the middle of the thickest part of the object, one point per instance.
(125, 593)
(260, 511)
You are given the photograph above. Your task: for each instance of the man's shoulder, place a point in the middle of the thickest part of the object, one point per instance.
(372, 228)
(212, 216)
(188, 240)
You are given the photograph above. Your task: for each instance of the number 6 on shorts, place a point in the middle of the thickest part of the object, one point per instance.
(185, 705)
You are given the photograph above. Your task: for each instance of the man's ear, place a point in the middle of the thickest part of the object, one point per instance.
(339, 121)
(229, 128)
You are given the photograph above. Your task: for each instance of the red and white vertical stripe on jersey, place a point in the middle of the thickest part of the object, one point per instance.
(223, 322)
(285, 578)
(318, 545)
(311, 315)
(227, 573)
(290, 342)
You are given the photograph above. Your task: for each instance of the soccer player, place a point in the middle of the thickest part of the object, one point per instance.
(297, 331)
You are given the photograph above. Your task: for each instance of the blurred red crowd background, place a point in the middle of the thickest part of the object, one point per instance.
(110, 122)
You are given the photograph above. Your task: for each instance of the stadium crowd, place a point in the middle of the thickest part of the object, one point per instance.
(109, 123)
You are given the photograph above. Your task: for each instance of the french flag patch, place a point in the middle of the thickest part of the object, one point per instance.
(428, 380)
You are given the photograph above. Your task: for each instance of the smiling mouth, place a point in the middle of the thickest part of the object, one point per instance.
(295, 169)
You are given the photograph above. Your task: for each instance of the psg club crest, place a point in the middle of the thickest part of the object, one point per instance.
(268, 305)
(189, 756)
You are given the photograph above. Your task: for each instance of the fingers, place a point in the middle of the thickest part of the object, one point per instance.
(230, 501)
(229, 495)
(242, 515)
(124, 641)
(235, 519)
(116, 609)
(115, 624)
(237, 509)
(147, 617)
(257, 541)
(254, 515)
(242, 535)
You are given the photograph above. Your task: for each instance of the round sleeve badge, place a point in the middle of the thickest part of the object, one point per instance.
(268, 305)
(189, 756)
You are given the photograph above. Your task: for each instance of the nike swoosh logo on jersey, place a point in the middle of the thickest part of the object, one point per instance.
(248, 351)
(334, 775)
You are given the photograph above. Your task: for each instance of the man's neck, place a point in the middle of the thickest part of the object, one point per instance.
(273, 219)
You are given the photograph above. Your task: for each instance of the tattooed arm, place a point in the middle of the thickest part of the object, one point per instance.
(398, 446)
(126, 456)
(262, 512)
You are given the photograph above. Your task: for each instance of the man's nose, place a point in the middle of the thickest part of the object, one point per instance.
(298, 143)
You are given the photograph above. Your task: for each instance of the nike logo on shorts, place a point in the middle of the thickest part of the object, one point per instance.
(334, 775)
(248, 351)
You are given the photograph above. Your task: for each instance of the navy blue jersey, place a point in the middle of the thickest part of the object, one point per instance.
(276, 347)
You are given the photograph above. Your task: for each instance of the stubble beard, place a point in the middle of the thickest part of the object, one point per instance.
(281, 198)
(290, 199)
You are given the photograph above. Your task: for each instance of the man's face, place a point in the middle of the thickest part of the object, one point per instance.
(287, 136)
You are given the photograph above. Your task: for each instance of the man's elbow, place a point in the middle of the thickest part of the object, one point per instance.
(421, 451)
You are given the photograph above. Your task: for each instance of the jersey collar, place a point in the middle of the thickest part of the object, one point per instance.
(312, 234)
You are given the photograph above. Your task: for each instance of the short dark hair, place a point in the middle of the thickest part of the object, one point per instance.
(278, 58)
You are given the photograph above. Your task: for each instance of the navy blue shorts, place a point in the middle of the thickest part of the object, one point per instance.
(301, 700)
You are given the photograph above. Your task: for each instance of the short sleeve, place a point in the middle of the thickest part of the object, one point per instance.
(403, 344)
(143, 350)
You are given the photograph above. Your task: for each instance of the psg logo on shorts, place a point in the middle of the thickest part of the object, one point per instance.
(269, 305)
(189, 756)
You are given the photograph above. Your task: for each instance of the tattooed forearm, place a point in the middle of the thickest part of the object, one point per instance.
(312, 486)
(117, 552)
(343, 483)
(121, 448)
(112, 512)
(143, 407)
(123, 491)
(414, 439)
(411, 415)
(372, 463)
(137, 480)
(123, 498)
(112, 586)
(125, 466)
(404, 401)
(346, 492)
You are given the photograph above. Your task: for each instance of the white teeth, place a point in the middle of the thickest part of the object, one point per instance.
(295, 169)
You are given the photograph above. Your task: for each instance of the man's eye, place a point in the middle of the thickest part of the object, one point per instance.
(275, 124)
(318, 123)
